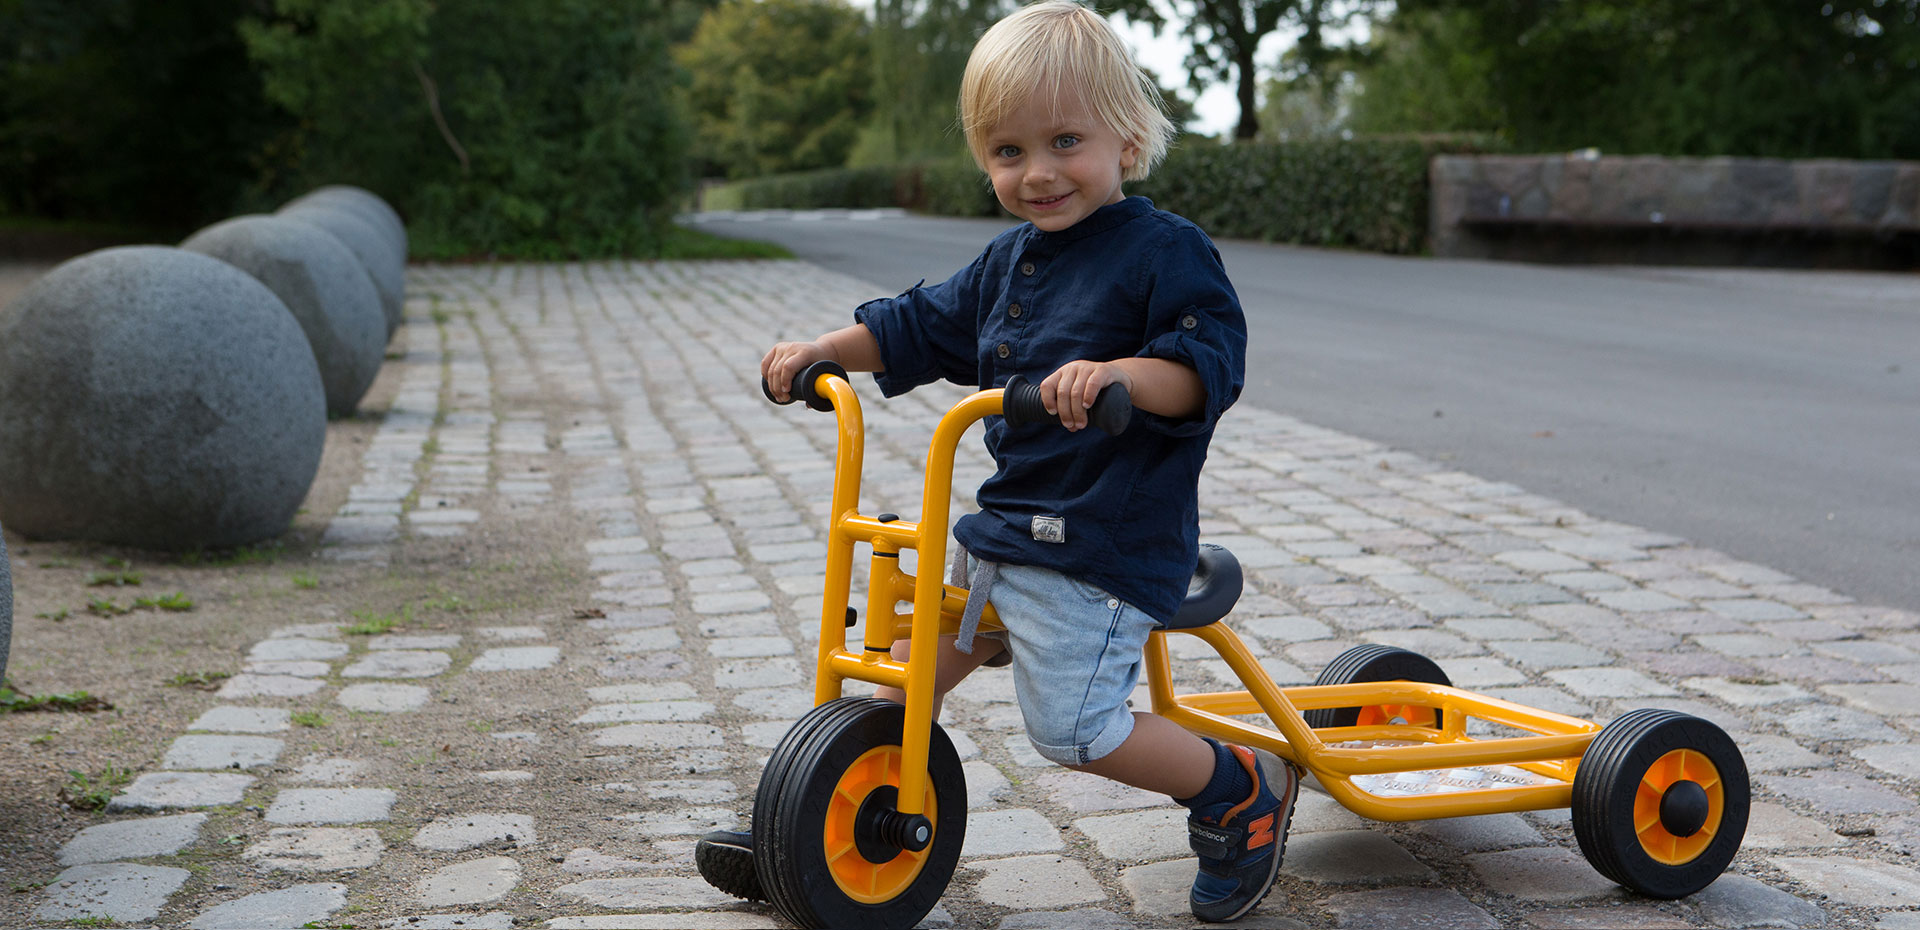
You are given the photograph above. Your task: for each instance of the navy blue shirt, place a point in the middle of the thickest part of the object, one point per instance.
(1127, 281)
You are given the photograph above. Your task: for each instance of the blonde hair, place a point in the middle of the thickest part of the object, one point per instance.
(1060, 46)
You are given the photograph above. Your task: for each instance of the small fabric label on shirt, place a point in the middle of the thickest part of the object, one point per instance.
(1050, 529)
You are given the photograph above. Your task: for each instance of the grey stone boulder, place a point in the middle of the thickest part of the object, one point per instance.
(158, 398)
(367, 204)
(6, 607)
(387, 271)
(330, 294)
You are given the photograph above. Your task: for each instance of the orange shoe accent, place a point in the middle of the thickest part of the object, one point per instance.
(1252, 765)
(1261, 832)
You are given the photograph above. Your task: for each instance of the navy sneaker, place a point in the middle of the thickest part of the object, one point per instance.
(725, 860)
(1240, 845)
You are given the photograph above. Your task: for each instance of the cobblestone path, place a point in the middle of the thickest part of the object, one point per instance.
(552, 772)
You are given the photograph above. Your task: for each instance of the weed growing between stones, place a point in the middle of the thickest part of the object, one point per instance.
(106, 607)
(199, 681)
(373, 624)
(92, 792)
(308, 718)
(305, 581)
(54, 615)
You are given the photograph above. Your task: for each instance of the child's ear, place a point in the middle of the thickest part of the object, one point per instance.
(1129, 154)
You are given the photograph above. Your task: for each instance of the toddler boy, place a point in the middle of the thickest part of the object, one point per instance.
(1084, 542)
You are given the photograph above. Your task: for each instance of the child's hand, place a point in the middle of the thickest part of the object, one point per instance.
(787, 359)
(1068, 392)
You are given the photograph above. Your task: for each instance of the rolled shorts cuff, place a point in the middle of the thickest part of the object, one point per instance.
(1118, 728)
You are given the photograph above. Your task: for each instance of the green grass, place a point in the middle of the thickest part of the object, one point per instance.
(309, 718)
(263, 554)
(177, 601)
(115, 578)
(373, 623)
(305, 581)
(692, 244)
(202, 681)
(12, 700)
(91, 792)
(106, 607)
(54, 615)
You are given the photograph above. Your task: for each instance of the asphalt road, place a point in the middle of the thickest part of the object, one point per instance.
(1774, 415)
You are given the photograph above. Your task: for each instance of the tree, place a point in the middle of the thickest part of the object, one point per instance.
(1226, 37)
(1422, 71)
(777, 85)
(920, 50)
(538, 127)
(1785, 78)
(127, 112)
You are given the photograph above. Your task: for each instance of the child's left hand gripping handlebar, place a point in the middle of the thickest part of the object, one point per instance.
(1020, 402)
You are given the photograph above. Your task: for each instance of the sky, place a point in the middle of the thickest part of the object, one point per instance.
(1166, 56)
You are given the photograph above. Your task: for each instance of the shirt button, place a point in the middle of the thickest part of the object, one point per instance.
(1027, 269)
(1003, 350)
(1113, 603)
(1188, 322)
(1013, 310)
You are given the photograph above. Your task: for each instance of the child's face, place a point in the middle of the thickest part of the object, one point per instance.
(1052, 166)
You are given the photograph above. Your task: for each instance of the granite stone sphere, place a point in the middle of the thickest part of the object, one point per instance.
(157, 398)
(331, 296)
(387, 270)
(369, 205)
(6, 606)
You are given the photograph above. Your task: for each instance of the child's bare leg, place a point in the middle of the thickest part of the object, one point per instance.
(1159, 755)
(952, 668)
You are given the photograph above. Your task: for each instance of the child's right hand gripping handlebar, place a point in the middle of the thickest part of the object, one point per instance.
(1020, 402)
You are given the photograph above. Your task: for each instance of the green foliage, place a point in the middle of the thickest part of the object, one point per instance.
(308, 718)
(91, 792)
(1425, 73)
(306, 581)
(920, 50)
(199, 681)
(373, 623)
(531, 128)
(177, 601)
(1776, 78)
(1363, 194)
(12, 701)
(115, 578)
(125, 111)
(777, 85)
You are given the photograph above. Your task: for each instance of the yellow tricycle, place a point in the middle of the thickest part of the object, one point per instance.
(861, 811)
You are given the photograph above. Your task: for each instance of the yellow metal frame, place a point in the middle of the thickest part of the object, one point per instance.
(1334, 755)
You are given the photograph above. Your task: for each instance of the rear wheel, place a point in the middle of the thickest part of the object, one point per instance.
(1377, 663)
(1660, 802)
(830, 846)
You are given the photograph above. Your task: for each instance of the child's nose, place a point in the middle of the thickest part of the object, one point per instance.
(1039, 170)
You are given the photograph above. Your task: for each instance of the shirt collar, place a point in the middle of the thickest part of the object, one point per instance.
(1098, 221)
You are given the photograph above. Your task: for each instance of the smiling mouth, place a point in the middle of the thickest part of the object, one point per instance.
(1045, 202)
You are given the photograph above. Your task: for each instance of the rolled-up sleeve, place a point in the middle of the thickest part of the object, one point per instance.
(1194, 317)
(927, 333)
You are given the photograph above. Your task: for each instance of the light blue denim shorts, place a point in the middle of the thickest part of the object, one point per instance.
(1076, 658)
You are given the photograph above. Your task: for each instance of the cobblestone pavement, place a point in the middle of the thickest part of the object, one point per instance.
(621, 400)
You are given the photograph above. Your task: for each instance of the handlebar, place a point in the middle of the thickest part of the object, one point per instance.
(1112, 410)
(1020, 401)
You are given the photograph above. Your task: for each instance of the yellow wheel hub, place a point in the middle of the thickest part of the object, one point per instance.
(1667, 771)
(863, 880)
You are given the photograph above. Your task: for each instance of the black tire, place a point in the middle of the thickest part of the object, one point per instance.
(1670, 769)
(1372, 663)
(834, 767)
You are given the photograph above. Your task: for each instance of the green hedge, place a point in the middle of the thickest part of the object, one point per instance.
(1366, 194)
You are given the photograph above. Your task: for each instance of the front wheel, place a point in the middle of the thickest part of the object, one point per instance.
(1660, 802)
(829, 846)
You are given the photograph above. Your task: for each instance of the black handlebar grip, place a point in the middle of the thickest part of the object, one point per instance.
(1112, 410)
(803, 385)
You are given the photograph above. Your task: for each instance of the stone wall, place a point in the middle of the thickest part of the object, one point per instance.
(1649, 209)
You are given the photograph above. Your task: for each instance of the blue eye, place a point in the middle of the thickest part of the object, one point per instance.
(1066, 142)
(1007, 151)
